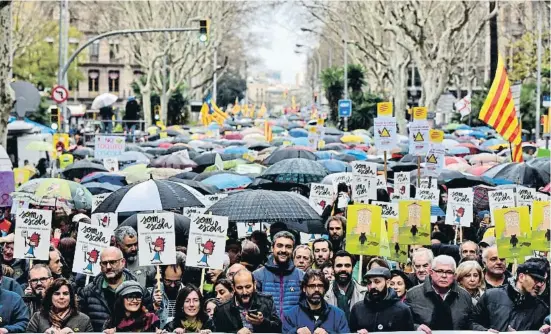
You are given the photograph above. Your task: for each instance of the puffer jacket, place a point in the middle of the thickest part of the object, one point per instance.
(504, 307)
(332, 319)
(281, 282)
(91, 301)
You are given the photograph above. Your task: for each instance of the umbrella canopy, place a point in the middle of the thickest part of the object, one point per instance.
(458, 150)
(97, 188)
(345, 157)
(295, 170)
(104, 100)
(334, 146)
(83, 152)
(478, 170)
(115, 179)
(335, 166)
(181, 223)
(133, 157)
(234, 136)
(228, 181)
(331, 139)
(235, 150)
(523, 173)
(449, 143)
(69, 192)
(156, 151)
(149, 195)
(81, 168)
(298, 133)
(332, 131)
(207, 159)
(543, 164)
(40, 146)
(411, 158)
(270, 206)
(485, 157)
(175, 160)
(288, 153)
(455, 160)
(187, 175)
(204, 189)
(359, 155)
(352, 139)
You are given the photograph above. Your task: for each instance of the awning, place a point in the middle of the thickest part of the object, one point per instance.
(77, 110)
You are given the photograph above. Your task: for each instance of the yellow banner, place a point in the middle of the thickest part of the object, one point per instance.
(414, 223)
(21, 175)
(363, 235)
(420, 113)
(513, 233)
(541, 225)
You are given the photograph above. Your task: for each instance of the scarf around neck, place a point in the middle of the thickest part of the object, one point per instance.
(59, 319)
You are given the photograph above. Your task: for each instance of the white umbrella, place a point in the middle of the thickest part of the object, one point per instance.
(104, 100)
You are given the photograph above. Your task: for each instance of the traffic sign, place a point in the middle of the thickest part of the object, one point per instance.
(345, 108)
(60, 94)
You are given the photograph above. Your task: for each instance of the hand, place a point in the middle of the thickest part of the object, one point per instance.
(50, 330)
(362, 331)
(28, 291)
(320, 330)
(244, 330)
(205, 331)
(492, 331)
(424, 328)
(57, 233)
(545, 329)
(511, 329)
(255, 319)
(179, 331)
(160, 331)
(66, 330)
(157, 298)
(110, 331)
(303, 330)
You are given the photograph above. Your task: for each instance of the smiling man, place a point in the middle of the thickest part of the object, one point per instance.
(279, 277)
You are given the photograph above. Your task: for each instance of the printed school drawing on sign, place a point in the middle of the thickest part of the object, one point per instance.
(207, 241)
(91, 241)
(156, 239)
(414, 218)
(513, 234)
(363, 235)
(32, 234)
(541, 225)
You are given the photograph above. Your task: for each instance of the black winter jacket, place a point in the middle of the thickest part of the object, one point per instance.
(91, 301)
(504, 307)
(387, 315)
(227, 319)
(428, 308)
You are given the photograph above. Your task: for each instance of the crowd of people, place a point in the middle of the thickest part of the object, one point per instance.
(273, 283)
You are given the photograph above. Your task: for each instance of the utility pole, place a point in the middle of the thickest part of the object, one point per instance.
(214, 76)
(62, 55)
(538, 83)
(345, 41)
(164, 97)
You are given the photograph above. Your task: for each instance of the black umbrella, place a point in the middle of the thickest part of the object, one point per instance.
(295, 170)
(204, 189)
(269, 185)
(521, 173)
(543, 164)
(186, 175)
(404, 167)
(270, 206)
(288, 153)
(134, 147)
(259, 146)
(182, 139)
(181, 223)
(207, 159)
(411, 158)
(333, 132)
(455, 179)
(156, 151)
(83, 152)
(331, 139)
(206, 175)
(178, 148)
(81, 168)
(178, 161)
(346, 157)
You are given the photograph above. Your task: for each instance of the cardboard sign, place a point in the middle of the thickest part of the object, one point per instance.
(91, 241)
(156, 239)
(402, 182)
(459, 211)
(248, 169)
(32, 234)
(21, 175)
(111, 164)
(525, 196)
(364, 189)
(541, 225)
(245, 230)
(65, 160)
(193, 210)
(434, 161)
(414, 223)
(428, 183)
(107, 220)
(108, 146)
(98, 199)
(385, 133)
(431, 195)
(420, 113)
(207, 241)
(541, 197)
(381, 182)
(513, 233)
(364, 169)
(344, 177)
(210, 200)
(321, 195)
(363, 233)
(7, 186)
(419, 138)
(502, 198)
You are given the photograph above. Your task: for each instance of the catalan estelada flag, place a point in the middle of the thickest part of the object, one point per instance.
(499, 111)
(210, 112)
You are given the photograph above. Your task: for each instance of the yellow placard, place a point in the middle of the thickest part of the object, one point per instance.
(363, 229)
(321, 121)
(541, 225)
(384, 109)
(152, 130)
(21, 175)
(321, 144)
(163, 134)
(436, 136)
(65, 160)
(513, 233)
(60, 141)
(420, 113)
(312, 129)
(414, 223)
(398, 252)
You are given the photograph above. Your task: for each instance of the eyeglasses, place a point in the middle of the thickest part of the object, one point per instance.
(172, 282)
(110, 262)
(444, 273)
(315, 286)
(41, 280)
(133, 298)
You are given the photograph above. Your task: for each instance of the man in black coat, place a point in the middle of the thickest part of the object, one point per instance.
(381, 310)
(248, 311)
(514, 306)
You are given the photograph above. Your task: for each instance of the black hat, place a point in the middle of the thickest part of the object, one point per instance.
(378, 272)
(537, 272)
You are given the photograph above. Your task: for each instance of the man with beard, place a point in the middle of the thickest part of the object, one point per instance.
(515, 306)
(381, 310)
(248, 311)
(313, 315)
(469, 251)
(495, 272)
(19, 266)
(421, 259)
(40, 279)
(279, 277)
(127, 241)
(336, 228)
(97, 299)
(164, 299)
(440, 303)
(344, 292)
(323, 252)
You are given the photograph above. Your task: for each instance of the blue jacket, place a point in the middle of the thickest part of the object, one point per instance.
(14, 314)
(332, 319)
(280, 282)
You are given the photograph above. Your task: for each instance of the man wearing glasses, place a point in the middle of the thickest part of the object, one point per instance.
(439, 303)
(164, 300)
(97, 298)
(40, 279)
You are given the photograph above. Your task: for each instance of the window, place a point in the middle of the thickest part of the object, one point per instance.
(113, 52)
(94, 52)
(93, 80)
(114, 81)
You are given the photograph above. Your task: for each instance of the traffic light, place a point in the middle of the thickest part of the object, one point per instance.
(54, 118)
(204, 30)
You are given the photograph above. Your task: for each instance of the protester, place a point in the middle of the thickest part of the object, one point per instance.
(400, 283)
(469, 276)
(211, 305)
(328, 271)
(377, 262)
(234, 269)
(514, 306)
(544, 291)
(59, 312)
(8, 283)
(129, 313)
(55, 264)
(344, 292)
(40, 279)
(323, 252)
(248, 311)
(233, 249)
(279, 277)
(14, 314)
(421, 260)
(495, 268)
(381, 310)
(313, 312)
(223, 289)
(469, 251)
(164, 300)
(127, 241)
(439, 303)
(341, 201)
(336, 228)
(19, 266)
(190, 316)
(250, 255)
(303, 257)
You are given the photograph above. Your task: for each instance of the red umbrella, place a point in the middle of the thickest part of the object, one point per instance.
(165, 145)
(472, 147)
(455, 160)
(362, 147)
(233, 136)
(299, 147)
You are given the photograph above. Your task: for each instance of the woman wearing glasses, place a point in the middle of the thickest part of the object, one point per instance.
(59, 313)
(129, 313)
(190, 316)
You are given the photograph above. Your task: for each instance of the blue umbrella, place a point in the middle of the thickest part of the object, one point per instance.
(213, 126)
(324, 155)
(227, 181)
(492, 142)
(484, 129)
(104, 177)
(435, 210)
(463, 127)
(458, 150)
(298, 132)
(301, 141)
(132, 156)
(359, 155)
(235, 150)
(477, 134)
(335, 166)
(97, 188)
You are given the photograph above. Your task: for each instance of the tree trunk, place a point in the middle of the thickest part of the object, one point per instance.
(6, 93)
(146, 106)
(433, 81)
(399, 91)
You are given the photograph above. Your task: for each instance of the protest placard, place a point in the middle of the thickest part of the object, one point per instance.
(193, 210)
(541, 197)
(459, 211)
(105, 219)
(245, 230)
(248, 169)
(210, 200)
(98, 199)
(414, 219)
(21, 175)
(428, 183)
(218, 162)
(398, 252)
(381, 182)
(419, 137)
(307, 238)
(525, 196)
(32, 234)
(91, 241)
(541, 225)
(364, 169)
(502, 198)
(363, 230)
(344, 177)
(402, 182)
(434, 161)
(364, 189)
(321, 195)
(431, 195)
(108, 146)
(384, 129)
(207, 241)
(111, 164)
(513, 233)
(7, 186)
(156, 240)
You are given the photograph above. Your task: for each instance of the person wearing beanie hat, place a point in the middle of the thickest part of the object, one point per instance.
(129, 313)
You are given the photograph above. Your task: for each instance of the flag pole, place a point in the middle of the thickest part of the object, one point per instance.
(511, 149)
